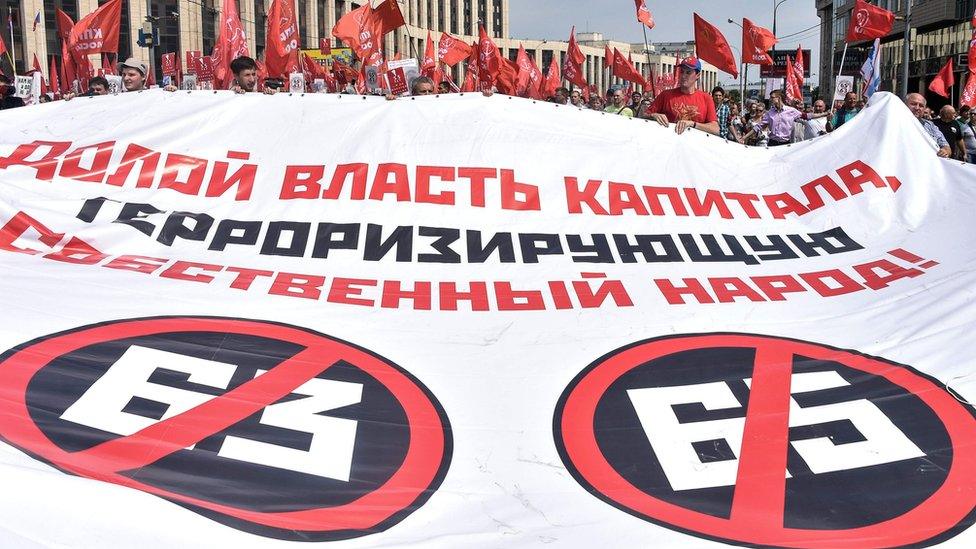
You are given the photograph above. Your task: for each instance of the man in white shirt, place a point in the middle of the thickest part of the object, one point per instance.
(815, 127)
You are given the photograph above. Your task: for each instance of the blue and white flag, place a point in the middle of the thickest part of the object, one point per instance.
(871, 69)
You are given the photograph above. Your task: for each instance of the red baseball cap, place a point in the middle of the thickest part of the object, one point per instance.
(692, 63)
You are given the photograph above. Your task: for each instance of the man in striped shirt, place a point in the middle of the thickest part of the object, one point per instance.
(722, 111)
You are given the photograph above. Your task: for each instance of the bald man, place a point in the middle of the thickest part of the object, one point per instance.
(917, 104)
(950, 128)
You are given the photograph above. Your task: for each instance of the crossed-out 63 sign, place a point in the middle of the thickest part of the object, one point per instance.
(268, 428)
(763, 441)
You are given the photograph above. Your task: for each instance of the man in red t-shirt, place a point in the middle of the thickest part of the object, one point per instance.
(686, 106)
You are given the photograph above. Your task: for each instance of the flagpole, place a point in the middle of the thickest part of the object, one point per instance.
(742, 87)
(647, 47)
(12, 52)
(840, 71)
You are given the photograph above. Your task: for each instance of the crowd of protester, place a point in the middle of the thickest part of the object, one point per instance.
(762, 123)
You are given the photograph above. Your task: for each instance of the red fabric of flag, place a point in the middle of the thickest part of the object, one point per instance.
(869, 22)
(452, 51)
(972, 52)
(389, 16)
(489, 60)
(54, 81)
(529, 76)
(799, 65)
(429, 65)
(756, 41)
(623, 68)
(362, 32)
(507, 80)
(3, 45)
(968, 97)
(470, 83)
(231, 43)
(281, 49)
(98, 31)
(944, 81)
(607, 57)
(712, 47)
(553, 79)
(37, 68)
(793, 89)
(644, 14)
(573, 71)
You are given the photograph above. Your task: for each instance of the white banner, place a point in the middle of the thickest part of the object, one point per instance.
(458, 321)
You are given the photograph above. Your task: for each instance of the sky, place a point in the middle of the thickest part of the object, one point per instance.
(617, 20)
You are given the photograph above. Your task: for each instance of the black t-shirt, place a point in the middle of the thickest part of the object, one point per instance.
(951, 131)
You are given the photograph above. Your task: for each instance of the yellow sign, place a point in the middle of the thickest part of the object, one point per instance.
(342, 54)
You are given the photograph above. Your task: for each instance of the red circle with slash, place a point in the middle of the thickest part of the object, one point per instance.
(418, 476)
(757, 505)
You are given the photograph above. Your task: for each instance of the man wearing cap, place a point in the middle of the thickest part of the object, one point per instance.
(686, 106)
(133, 73)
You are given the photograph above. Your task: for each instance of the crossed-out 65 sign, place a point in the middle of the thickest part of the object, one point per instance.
(765, 441)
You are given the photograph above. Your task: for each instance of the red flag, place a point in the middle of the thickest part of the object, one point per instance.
(713, 47)
(52, 70)
(98, 32)
(607, 57)
(624, 69)
(313, 70)
(389, 15)
(231, 43)
(553, 80)
(943, 81)
(3, 45)
(529, 76)
(281, 50)
(507, 80)
(363, 32)
(869, 22)
(107, 64)
(969, 92)
(756, 41)
(470, 83)
(573, 71)
(429, 65)
(644, 15)
(37, 67)
(343, 73)
(793, 89)
(489, 60)
(972, 52)
(798, 65)
(451, 51)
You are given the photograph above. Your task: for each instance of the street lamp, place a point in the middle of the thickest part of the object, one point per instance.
(776, 4)
(745, 72)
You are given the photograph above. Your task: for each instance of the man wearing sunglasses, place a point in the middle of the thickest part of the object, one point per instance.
(686, 106)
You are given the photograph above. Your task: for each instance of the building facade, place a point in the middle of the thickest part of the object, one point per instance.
(188, 25)
(940, 29)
